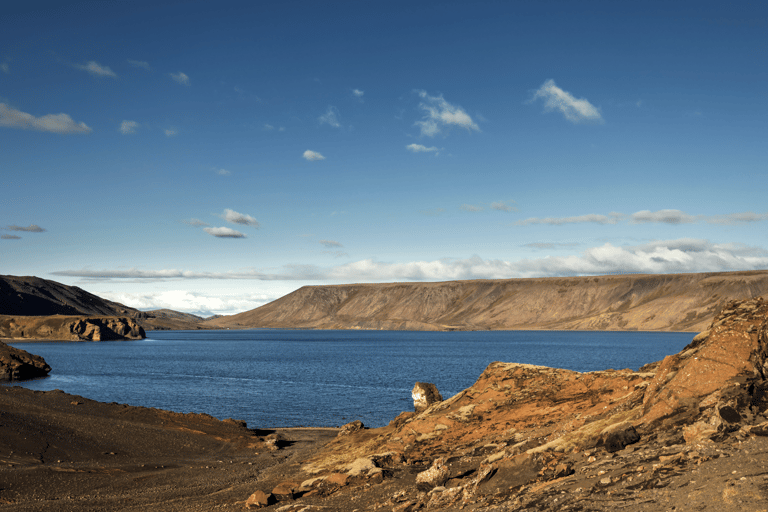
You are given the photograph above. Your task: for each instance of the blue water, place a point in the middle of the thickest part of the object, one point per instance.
(319, 378)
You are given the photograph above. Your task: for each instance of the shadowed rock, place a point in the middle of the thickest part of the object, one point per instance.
(16, 364)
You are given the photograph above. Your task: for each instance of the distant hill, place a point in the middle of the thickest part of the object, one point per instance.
(663, 302)
(32, 296)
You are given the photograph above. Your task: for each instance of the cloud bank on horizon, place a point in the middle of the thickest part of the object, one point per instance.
(223, 156)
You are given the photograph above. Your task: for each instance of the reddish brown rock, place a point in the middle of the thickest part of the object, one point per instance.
(16, 364)
(259, 499)
(425, 394)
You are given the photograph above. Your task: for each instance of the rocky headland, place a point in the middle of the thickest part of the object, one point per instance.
(668, 302)
(16, 365)
(29, 296)
(686, 433)
(70, 328)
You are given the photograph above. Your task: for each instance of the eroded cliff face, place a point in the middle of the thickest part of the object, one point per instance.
(537, 438)
(16, 364)
(669, 302)
(69, 328)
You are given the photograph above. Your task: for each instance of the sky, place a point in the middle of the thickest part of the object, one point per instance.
(210, 157)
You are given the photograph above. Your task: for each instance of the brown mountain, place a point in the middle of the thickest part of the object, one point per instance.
(663, 302)
(23, 297)
(33, 296)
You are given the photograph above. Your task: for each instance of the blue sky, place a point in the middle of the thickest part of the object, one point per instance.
(212, 156)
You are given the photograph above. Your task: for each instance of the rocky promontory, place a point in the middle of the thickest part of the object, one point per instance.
(69, 328)
(16, 364)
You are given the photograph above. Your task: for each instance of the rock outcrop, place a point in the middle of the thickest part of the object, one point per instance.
(527, 437)
(667, 302)
(16, 364)
(69, 328)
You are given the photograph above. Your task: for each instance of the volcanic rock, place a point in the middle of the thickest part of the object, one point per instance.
(68, 328)
(425, 394)
(16, 364)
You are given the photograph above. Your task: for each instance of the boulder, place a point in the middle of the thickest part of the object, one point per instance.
(435, 476)
(351, 428)
(17, 364)
(425, 394)
(259, 499)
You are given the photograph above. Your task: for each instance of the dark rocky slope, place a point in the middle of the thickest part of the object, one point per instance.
(16, 365)
(29, 296)
(668, 302)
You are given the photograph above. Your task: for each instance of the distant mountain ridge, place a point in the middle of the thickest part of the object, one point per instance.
(34, 296)
(30, 296)
(654, 302)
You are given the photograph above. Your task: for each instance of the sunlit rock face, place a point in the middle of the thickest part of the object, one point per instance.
(425, 394)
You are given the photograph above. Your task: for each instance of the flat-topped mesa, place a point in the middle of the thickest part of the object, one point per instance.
(16, 364)
(70, 328)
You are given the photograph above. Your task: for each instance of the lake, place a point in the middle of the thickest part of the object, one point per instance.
(286, 378)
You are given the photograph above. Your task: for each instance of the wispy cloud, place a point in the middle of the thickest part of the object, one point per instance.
(737, 218)
(224, 232)
(139, 64)
(313, 156)
(32, 228)
(612, 218)
(574, 110)
(96, 69)
(502, 206)
(5, 68)
(170, 132)
(330, 243)
(331, 117)
(418, 148)
(195, 222)
(659, 257)
(10, 237)
(239, 218)
(127, 127)
(55, 123)
(180, 77)
(662, 216)
(471, 208)
(357, 93)
(439, 114)
(222, 172)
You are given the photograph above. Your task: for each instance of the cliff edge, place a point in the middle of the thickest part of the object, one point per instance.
(70, 328)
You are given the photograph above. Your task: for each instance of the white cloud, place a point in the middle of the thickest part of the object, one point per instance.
(313, 156)
(170, 132)
(32, 228)
(4, 66)
(439, 114)
(201, 304)
(331, 117)
(613, 218)
(503, 207)
(96, 69)
(224, 232)
(139, 64)
(239, 218)
(418, 148)
(268, 127)
(56, 123)
(659, 257)
(471, 208)
(357, 93)
(128, 127)
(662, 216)
(330, 243)
(223, 172)
(574, 110)
(180, 77)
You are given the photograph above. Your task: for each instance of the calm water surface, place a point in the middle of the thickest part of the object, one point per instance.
(319, 378)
